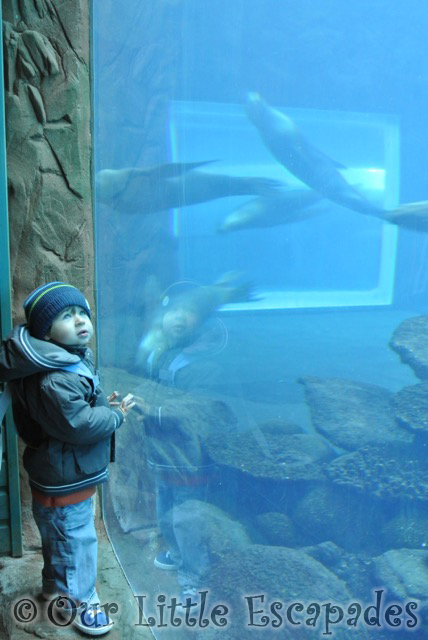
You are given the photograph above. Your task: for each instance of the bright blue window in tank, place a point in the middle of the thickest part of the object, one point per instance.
(339, 258)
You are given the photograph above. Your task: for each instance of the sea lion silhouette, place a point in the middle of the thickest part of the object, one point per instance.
(288, 145)
(162, 187)
(282, 207)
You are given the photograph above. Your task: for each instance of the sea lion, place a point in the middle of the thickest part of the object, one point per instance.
(121, 187)
(201, 186)
(200, 300)
(413, 215)
(163, 187)
(283, 207)
(206, 299)
(288, 145)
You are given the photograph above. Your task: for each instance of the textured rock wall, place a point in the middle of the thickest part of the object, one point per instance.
(47, 98)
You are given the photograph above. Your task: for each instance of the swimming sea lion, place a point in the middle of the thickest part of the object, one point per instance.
(200, 186)
(121, 188)
(206, 299)
(164, 187)
(413, 215)
(283, 207)
(288, 145)
(200, 300)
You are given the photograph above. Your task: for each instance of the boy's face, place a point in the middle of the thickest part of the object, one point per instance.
(179, 324)
(72, 326)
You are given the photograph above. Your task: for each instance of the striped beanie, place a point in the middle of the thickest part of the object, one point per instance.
(46, 302)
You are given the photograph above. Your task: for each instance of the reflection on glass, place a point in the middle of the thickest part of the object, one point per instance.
(261, 258)
(180, 356)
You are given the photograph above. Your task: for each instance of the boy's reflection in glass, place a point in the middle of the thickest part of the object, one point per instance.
(184, 341)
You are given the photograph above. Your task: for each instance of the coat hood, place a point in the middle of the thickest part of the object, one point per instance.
(23, 355)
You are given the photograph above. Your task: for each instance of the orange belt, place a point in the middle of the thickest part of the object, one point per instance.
(62, 501)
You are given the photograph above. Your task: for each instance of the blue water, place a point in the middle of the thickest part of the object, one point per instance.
(324, 294)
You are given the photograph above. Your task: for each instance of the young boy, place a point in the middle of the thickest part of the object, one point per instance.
(68, 426)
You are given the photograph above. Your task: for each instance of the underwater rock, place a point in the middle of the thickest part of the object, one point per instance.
(279, 426)
(330, 513)
(404, 572)
(390, 473)
(270, 454)
(407, 529)
(276, 528)
(411, 407)
(328, 553)
(352, 568)
(352, 414)
(212, 529)
(280, 575)
(410, 341)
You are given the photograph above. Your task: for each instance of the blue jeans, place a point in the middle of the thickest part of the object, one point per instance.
(185, 543)
(69, 545)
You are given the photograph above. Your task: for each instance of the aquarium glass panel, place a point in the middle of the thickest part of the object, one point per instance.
(261, 217)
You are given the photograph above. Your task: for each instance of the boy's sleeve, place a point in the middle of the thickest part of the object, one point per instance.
(67, 416)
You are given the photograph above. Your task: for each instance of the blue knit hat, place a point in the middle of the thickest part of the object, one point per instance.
(46, 302)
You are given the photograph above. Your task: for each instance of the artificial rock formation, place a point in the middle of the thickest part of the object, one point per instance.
(404, 573)
(352, 414)
(409, 340)
(390, 472)
(252, 578)
(270, 454)
(47, 99)
(411, 407)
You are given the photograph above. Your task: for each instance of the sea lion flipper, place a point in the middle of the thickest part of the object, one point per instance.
(176, 169)
(412, 215)
(266, 186)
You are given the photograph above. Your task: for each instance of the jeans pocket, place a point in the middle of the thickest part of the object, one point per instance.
(76, 515)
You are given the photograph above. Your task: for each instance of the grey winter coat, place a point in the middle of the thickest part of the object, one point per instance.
(66, 423)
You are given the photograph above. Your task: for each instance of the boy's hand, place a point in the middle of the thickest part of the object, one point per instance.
(127, 404)
(142, 409)
(111, 399)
